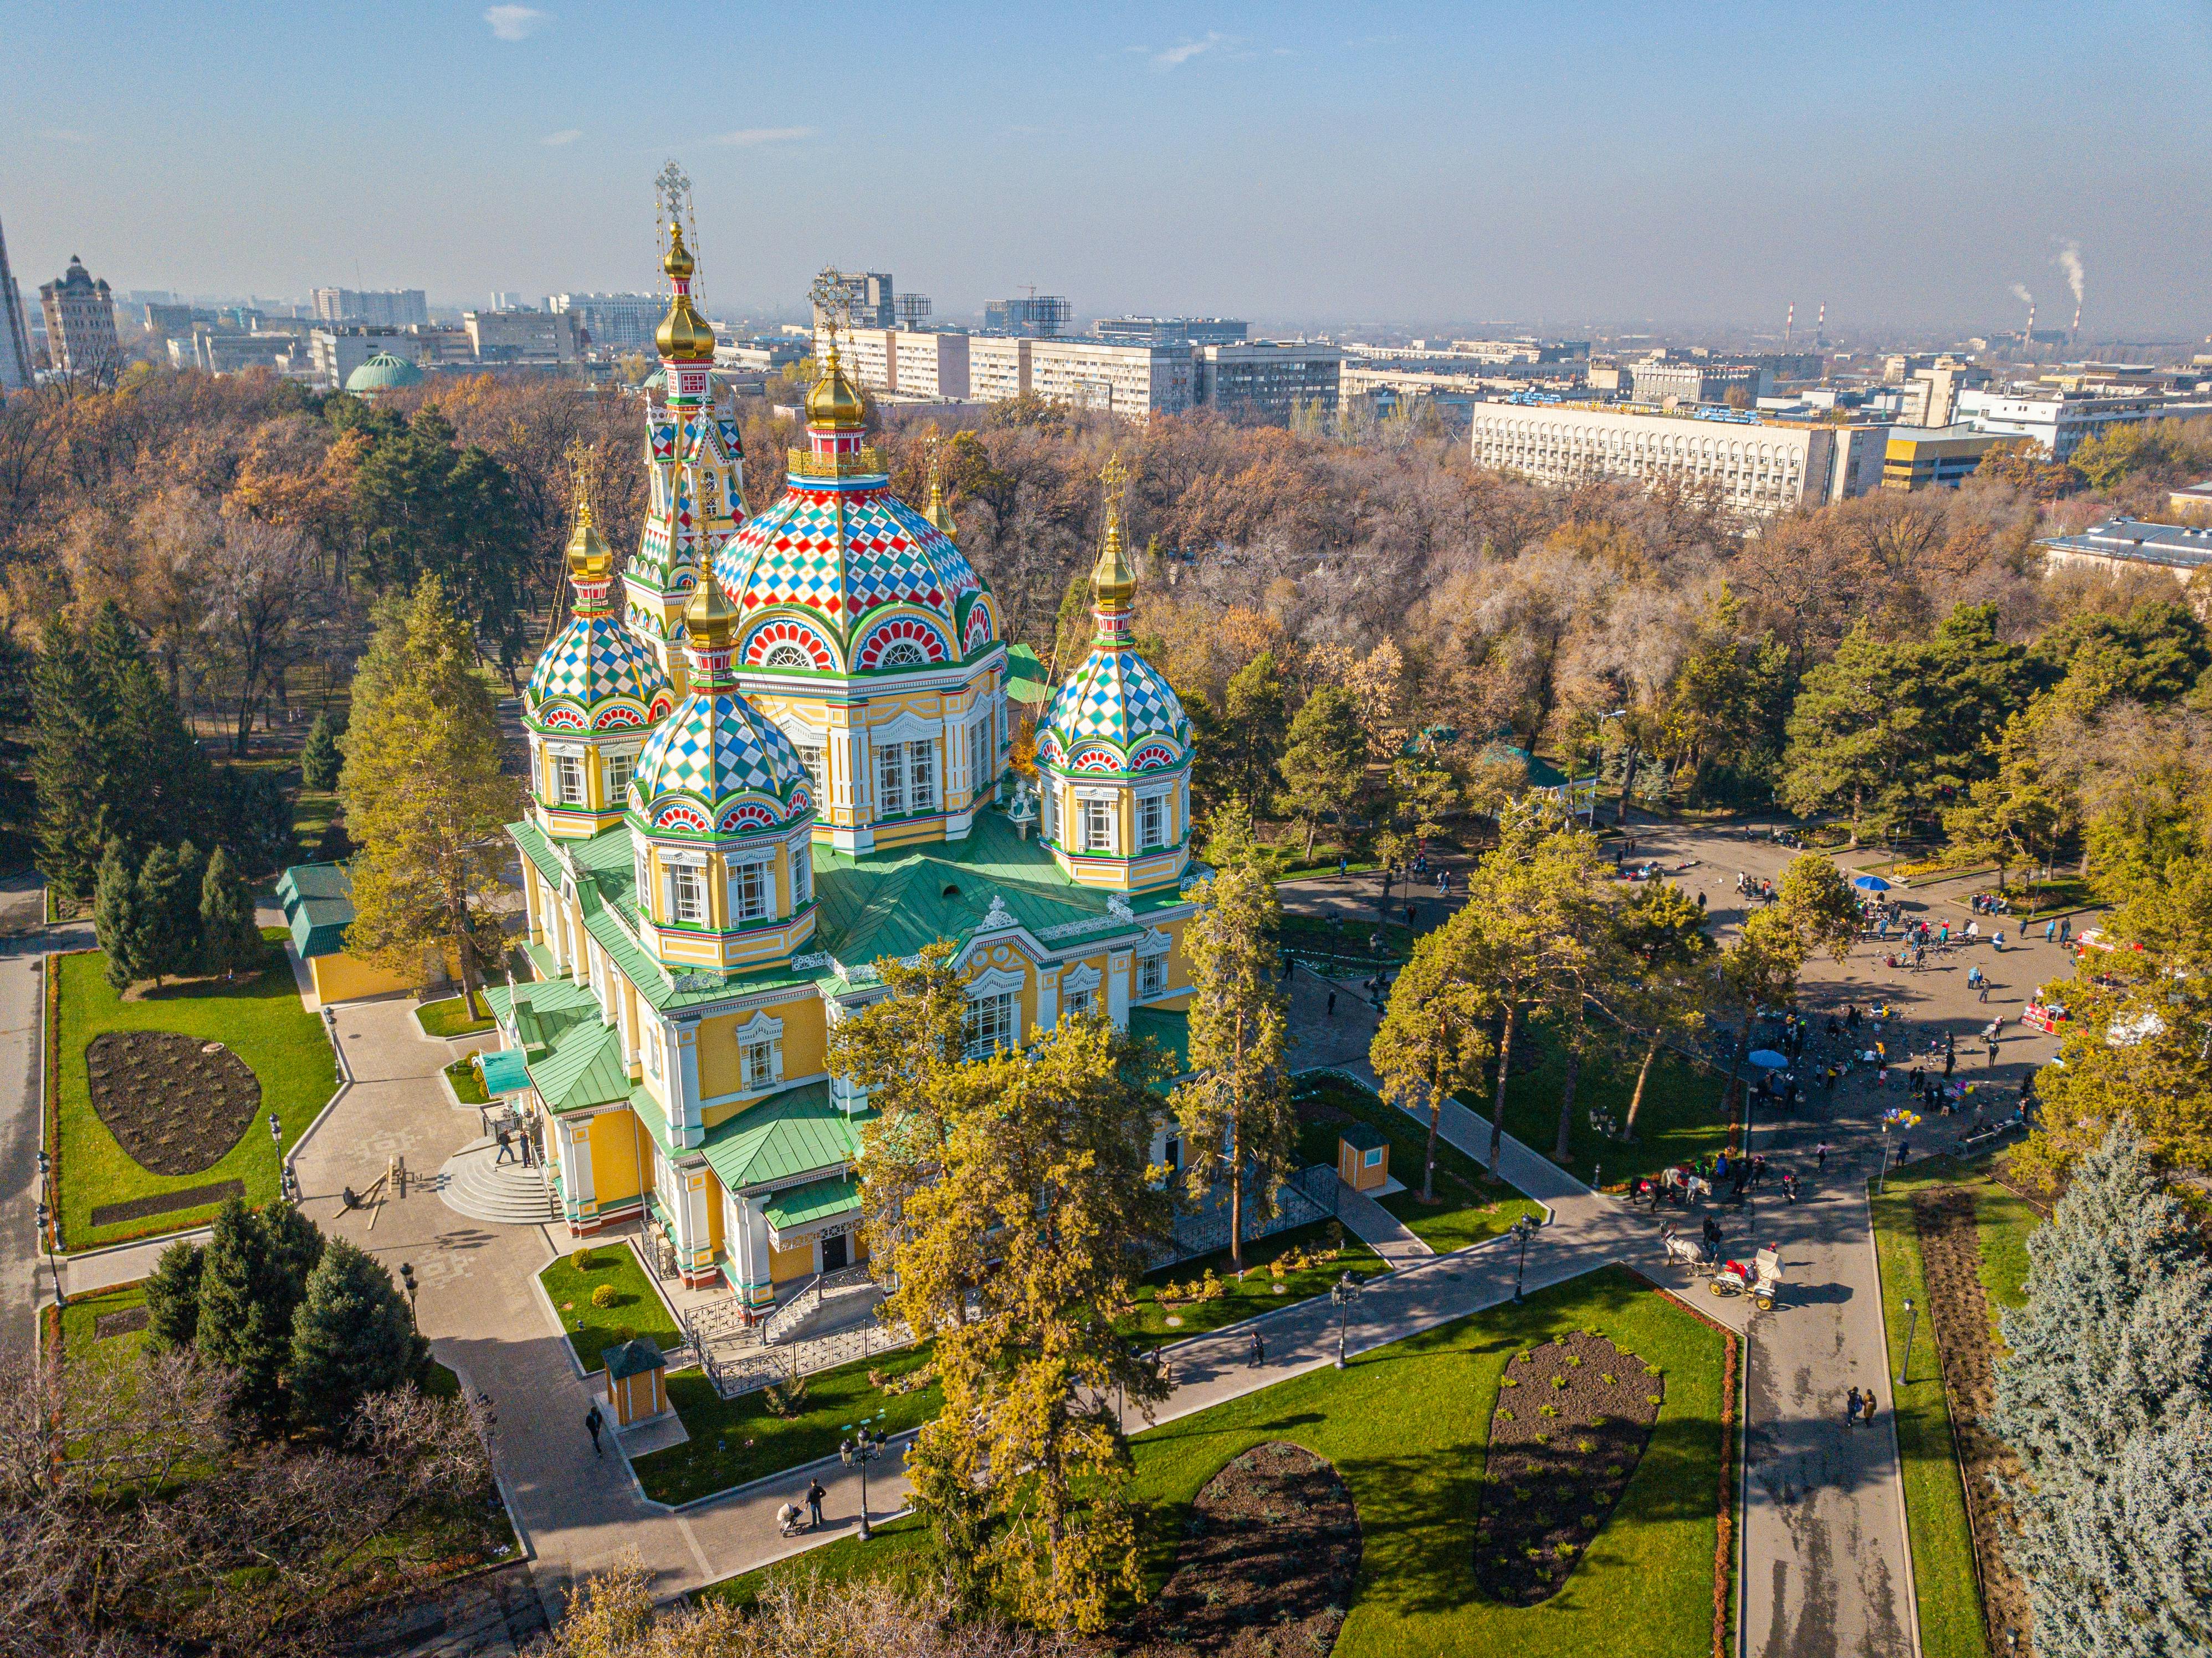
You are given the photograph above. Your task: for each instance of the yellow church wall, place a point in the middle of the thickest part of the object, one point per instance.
(804, 1044)
(614, 1139)
(346, 977)
(785, 1265)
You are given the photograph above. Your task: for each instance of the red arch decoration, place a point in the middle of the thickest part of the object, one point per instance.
(785, 631)
(1094, 759)
(746, 814)
(562, 718)
(618, 718)
(681, 816)
(982, 627)
(913, 629)
(1153, 755)
(1048, 748)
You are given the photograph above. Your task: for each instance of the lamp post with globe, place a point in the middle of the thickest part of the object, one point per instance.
(865, 1446)
(1344, 1293)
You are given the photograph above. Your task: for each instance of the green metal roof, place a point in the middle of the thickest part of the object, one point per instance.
(1170, 1030)
(1360, 1136)
(797, 1132)
(384, 373)
(1026, 676)
(544, 1010)
(633, 1358)
(583, 1069)
(798, 1205)
(318, 900)
(504, 1072)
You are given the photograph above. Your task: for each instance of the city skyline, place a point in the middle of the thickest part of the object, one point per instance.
(1284, 164)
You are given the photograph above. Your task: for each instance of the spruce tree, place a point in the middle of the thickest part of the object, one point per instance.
(116, 921)
(229, 939)
(167, 940)
(2110, 1370)
(71, 714)
(172, 1296)
(18, 798)
(251, 1285)
(351, 1337)
(1324, 766)
(321, 761)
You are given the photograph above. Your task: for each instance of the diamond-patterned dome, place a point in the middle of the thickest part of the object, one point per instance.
(843, 553)
(717, 765)
(1117, 708)
(596, 677)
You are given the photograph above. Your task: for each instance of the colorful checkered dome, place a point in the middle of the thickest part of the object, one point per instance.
(717, 766)
(840, 556)
(597, 675)
(1115, 713)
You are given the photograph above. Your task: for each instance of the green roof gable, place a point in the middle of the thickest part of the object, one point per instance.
(797, 1205)
(797, 1132)
(318, 900)
(585, 1068)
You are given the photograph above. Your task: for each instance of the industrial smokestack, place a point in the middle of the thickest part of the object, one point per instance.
(2070, 260)
(1789, 323)
(1821, 327)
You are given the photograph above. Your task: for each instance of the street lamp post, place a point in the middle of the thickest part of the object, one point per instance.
(1524, 1229)
(1343, 1292)
(53, 1266)
(407, 1278)
(1911, 1321)
(862, 1448)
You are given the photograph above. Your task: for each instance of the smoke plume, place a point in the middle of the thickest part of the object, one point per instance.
(2069, 261)
(2019, 292)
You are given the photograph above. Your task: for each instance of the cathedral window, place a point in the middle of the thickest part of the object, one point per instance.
(811, 754)
(802, 871)
(568, 780)
(1098, 825)
(979, 756)
(749, 892)
(900, 654)
(619, 767)
(1080, 1002)
(905, 778)
(1152, 976)
(921, 775)
(1153, 822)
(786, 656)
(687, 892)
(759, 1067)
(992, 1024)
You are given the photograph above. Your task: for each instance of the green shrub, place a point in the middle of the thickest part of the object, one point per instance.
(604, 1297)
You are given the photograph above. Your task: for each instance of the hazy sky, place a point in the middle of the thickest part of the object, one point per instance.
(1683, 159)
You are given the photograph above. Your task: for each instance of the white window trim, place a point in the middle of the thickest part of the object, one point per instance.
(800, 850)
(1155, 942)
(908, 727)
(734, 865)
(1147, 965)
(1079, 978)
(995, 981)
(1111, 820)
(689, 856)
(675, 905)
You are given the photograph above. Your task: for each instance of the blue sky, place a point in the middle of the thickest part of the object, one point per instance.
(1683, 163)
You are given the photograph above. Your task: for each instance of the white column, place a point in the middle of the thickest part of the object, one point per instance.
(1047, 1014)
(749, 1248)
(1117, 989)
(685, 1126)
(572, 1139)
(532, 906)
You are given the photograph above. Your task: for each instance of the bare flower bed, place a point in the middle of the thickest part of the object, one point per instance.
(1572, 1418)
(1267, 1561)
(175, 1103)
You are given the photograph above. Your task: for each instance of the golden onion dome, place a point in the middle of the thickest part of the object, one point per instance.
(836, 403)
(590, 558)
(683, 335)
(940, 515)
(710, 619)
(1114, 579)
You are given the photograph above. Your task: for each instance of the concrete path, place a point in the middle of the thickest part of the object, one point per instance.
(24, 1280)
(1378, 1229)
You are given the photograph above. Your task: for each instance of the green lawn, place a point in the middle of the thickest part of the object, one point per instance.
(1256, 1294)
(2004, 1219)
(736, 1440)
(1934, 1505)
(1407, 1427)
(262, 1022)
(449, 1018)
(80, 1319)
(1315, 935)
(637, 1308)
(1680, 1119)
(1471, 1206)
(467, 1081)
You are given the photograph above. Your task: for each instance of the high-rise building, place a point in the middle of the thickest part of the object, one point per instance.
(17, 370)
(1267, 380)
(80, 322)
(171, 322)
(521, 338)
(1132, 381)
(393, 307)
(1172, 331)
(1040, 316)
(1686, 380)
(507, 300)
(869, 301)
(616, 322)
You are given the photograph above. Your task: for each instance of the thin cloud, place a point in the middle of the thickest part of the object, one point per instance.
(514, 22)
(746, 138)
(66, 136)
(1177, 57)
(566, 136)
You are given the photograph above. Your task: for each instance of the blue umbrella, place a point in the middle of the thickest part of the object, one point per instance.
(1871, 883)
(1767, 1058)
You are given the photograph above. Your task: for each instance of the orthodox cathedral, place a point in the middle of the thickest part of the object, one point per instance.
(769, 752)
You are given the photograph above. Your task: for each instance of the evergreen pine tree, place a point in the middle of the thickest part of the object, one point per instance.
(321, 761)
(2110, 1369)
(172, 1296)
(162, 782)
(116, 921)
(229, 939)
(71, 714)
(251, 1285)
(18, 798)
(1324, 766)
(350, 1337)
(167, 940)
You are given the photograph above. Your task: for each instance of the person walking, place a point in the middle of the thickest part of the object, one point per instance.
(2051, 931)
(1332, 1001)
(506, 1147)
(1993, 1050)
(1985, 990)
(1820, 1155)
(1851, 1404)
(2066, 930)
(593, 1421)
(814, 1496)
(1866, 1409)
(1712, 1236)
(1259, 1351)
(1950, 1062)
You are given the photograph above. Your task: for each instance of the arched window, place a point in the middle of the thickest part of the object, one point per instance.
(900, 654)
(788, 656)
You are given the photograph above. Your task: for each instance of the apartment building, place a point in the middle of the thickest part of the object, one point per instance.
(1761, 467)
(1134, 381)
(616, 322)
(930, 365)
(1267, 380)
(1685, 379)
(80, 322)
(998, 368)
(390, 307)
(1172, 331)
(523, 338)
(2062, 420)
